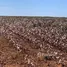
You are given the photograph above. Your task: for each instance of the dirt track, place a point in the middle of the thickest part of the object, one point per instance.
(33, 42)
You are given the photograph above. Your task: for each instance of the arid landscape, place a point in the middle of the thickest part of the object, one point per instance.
(33, 41)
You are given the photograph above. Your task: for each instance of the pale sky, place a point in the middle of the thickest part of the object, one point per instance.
(33, 8)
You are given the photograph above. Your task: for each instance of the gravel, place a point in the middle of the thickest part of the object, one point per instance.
(47, 35)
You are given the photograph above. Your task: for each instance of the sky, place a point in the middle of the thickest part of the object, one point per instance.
(33, 8)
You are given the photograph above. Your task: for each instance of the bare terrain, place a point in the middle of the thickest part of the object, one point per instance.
(33, 42)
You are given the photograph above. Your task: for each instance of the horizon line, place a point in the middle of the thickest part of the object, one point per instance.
(31, 16)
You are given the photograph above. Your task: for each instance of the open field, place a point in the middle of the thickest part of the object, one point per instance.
(33, 42)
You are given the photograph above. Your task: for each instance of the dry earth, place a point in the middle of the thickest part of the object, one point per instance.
(33, 42)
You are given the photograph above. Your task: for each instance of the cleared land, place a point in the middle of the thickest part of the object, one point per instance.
(33, 42)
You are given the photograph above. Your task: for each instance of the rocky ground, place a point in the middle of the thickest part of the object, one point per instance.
(33, 42)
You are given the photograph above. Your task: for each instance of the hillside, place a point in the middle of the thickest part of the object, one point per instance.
(33, 41)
